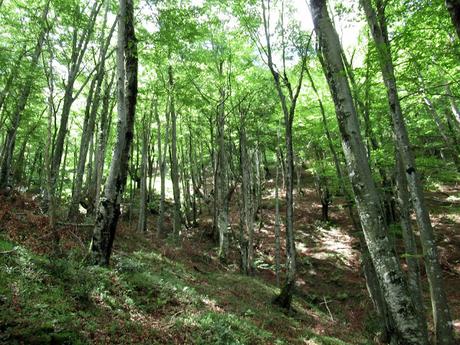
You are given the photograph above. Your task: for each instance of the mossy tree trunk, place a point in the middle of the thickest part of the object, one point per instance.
(109, 207)
(386, 263)
(441, 314)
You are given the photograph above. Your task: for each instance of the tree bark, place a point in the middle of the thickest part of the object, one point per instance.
(104, 131)
(277, 220)
(285, 297)
(7, 155)
(177, 218)
(247, 200)
(221, 187)
(79, 46)
(12, 76)
(94, 98)
(384, 258)
(109, 208)
(441, 313)
(454, 107)
(410, 245)
(449, 141)
(162, 149)
(453, 7)
(142, 221)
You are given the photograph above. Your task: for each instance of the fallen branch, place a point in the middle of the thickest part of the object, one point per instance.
(82, 225)
(9, 251)
(327, 307)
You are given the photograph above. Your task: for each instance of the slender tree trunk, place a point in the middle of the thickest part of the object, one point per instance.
(322, 184)
(33, 168)
(12, 76)
(185, 182)
(177, 219)
(79, 46)
(450, 143)
(441, 313)
(62, 171)
(364, 109)
(247, 200)
(109, 208)
(87, 133)
(142, 221)
(20, 159)
(51, 200)
(194, 165)
(453, 7)
(372, 283)
(385, 261)
(221, 186)
(89, 167)
(7, 156)
(410, 246)
(277, 225)
(284, 299)
(160, 219)
(104, 130)
(162, 164)
(453, 106)
(93, 101)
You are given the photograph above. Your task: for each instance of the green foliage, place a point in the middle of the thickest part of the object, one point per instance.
(62, 301)
(226, 329)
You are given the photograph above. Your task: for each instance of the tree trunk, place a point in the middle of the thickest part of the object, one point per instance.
(109, 208)
(441, 313)
(92, 107)
(453, 107)
(104, 131)
(142, 222)
(79, 45)
(410, 246)
(162, 149)
(221, 188)
(450, 143)
(7, 155)
(277, 225)
(385, 261)
(284, 299)
(87, 133)
(453, 7)
(11, 77)
(372, 283)
(247, 200)
(193, 174)
(177, 219)
(363, 108)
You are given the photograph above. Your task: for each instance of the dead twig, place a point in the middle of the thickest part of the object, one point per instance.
(81, 225)
(327, 307)
(9, 251)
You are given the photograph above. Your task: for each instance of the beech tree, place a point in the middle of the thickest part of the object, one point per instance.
(237, 125)
(109, 207)
(441, 313)
(402, 308)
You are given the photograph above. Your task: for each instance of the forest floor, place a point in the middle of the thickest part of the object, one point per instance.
(159, 291)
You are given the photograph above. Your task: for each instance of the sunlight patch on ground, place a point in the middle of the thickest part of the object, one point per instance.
(212, 305)
(334, 241)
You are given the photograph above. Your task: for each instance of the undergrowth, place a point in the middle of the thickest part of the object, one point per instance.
(144, 298)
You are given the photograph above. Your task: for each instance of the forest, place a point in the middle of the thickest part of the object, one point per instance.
(230, 172)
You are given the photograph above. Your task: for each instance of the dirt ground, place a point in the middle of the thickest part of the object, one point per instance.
(329, 273)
